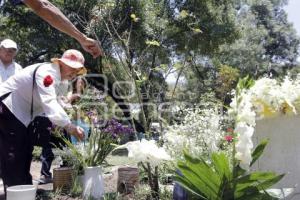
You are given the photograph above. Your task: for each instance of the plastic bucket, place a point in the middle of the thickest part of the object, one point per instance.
(18, 192)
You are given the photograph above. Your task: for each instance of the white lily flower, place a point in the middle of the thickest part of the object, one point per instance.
(147, 151)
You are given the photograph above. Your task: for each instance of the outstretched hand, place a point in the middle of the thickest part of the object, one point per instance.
(92, 46)
(76, 131)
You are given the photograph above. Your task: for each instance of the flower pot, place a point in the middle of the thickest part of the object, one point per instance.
(93, 183)
(128, 179)
(63, 179)
(24, 192)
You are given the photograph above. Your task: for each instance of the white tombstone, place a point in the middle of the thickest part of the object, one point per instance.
(282, 154)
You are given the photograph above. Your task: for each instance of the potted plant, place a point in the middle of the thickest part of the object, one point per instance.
(63, 176)
(92, 154)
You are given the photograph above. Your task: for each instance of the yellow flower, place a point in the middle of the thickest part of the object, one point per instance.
(266, 110)
(287, 109)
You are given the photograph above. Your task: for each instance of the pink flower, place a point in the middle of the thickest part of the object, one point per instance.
(228, 138)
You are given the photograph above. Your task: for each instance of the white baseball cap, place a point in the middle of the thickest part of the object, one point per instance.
(8, 43)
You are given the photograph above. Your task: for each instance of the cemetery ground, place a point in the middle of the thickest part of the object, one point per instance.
(110, 175)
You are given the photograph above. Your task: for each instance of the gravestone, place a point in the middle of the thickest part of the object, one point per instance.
(282, 154)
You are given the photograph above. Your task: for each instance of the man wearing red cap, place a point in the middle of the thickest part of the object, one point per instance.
(24, 96)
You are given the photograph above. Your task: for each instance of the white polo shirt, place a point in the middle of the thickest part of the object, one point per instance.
(8, 71)
(44, 98)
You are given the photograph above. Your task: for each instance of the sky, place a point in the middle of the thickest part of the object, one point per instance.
(292, 10)
(293, 13)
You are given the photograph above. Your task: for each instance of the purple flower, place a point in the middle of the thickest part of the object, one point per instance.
(116, 129)
(90, 113)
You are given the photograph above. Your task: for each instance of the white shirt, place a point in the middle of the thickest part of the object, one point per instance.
(44, 98)
(8, 71)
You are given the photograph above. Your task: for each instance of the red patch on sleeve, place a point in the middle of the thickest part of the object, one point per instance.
(48, 81)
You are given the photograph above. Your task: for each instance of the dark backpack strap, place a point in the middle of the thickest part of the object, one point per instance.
(4, 96)
(33, 82)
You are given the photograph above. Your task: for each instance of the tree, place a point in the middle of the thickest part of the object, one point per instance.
(141, 39)
(267, 40)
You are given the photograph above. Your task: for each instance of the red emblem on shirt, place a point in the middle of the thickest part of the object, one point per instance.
(48, 81)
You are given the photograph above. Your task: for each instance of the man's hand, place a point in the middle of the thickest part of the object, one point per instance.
(76, 131)
(74, 97)
(91, 46)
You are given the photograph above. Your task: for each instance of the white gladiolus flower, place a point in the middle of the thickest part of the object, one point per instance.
(244, 144)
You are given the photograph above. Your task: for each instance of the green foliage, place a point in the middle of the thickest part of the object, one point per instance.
(36, 153)
(203, 25)
(244, 84)
(218, 181)
(144, 192)
(37, 40)
(258, 151)
(68, 159)
(226, 82)
(268, 40)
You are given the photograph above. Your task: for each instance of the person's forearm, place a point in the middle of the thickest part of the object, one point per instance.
(55, 18)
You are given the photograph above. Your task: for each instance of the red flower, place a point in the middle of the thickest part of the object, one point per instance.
(230, 130)
(48, 81)
(228, 138)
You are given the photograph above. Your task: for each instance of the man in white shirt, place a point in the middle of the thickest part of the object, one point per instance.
(22, 100)
(8, 67)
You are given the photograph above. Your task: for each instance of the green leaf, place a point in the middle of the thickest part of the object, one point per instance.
(244, 83)
(258, 151)
(256, 176)
(191, 159)
(201, 177)
(256, 196)
(189, 186)
(221, 164)
(269, 182)
(197, 30)
(152, 43)
(251, 192)
(259, 180)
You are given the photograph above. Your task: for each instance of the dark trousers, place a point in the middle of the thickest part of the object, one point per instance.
(47, 157)
(15, 149)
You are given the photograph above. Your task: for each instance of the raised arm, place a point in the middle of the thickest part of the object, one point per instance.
(51, 14)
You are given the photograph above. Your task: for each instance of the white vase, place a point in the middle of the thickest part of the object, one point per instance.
(24, 192)
(93, 183)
